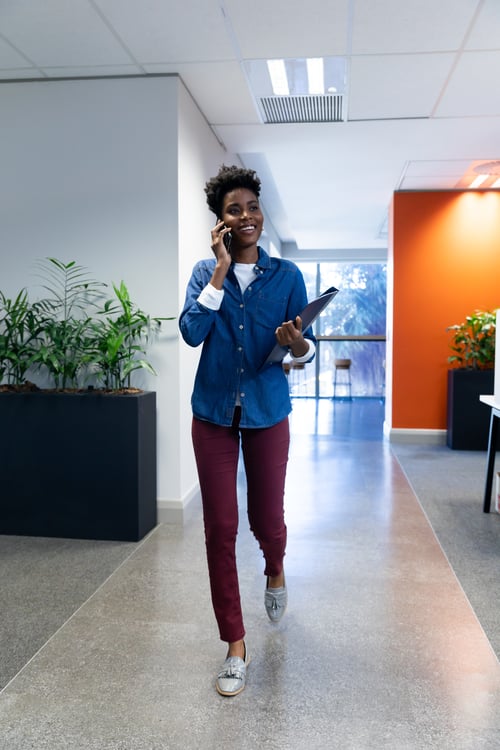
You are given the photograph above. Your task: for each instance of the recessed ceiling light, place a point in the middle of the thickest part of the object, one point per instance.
(278, 76)
(315, 75)
(478, 181)
(298, 89)
(302, 76)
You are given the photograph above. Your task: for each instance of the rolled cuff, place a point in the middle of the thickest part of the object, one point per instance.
(307, 356)
(211, 297)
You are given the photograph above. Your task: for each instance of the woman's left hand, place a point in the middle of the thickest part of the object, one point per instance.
(290, 334)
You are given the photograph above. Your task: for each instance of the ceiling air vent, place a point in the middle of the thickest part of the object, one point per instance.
(288, 109)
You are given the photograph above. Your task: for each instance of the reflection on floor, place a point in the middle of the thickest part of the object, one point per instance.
(356, 419)
(379, 649)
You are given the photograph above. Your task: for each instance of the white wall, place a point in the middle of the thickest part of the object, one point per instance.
(110, 173)
(200, 157)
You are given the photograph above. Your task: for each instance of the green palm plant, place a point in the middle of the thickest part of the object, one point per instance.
(20, 331)
(64, 318)
(120, 338)
(71, 335)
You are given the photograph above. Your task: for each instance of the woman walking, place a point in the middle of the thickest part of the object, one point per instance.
(239, 304)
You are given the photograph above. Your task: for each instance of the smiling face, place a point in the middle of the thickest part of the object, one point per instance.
(241, 213)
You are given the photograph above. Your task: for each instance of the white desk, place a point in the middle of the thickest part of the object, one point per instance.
(494, 403)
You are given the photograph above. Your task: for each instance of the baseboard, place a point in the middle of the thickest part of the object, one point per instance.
(403, 435)
(179, 511)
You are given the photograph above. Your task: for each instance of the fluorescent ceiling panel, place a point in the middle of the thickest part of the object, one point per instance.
(333, 76)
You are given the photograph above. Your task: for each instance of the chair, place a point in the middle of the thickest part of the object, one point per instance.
(342, 376)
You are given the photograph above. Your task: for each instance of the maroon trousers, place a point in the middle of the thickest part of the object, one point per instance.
(265, 456)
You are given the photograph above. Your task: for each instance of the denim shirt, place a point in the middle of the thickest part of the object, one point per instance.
(237, 339)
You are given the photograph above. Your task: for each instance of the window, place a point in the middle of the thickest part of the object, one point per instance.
(352, 327)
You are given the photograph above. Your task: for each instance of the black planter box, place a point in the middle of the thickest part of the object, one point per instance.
(78, 465)
(468, 420)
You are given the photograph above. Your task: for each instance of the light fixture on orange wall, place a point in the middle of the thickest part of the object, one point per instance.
(479, 180)
(487, 175)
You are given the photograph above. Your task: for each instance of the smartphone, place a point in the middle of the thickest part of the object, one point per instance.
(227, 238)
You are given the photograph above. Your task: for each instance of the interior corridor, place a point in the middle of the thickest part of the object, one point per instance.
(111, 646)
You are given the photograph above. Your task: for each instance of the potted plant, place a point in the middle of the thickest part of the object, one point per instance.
(79, 452)
(472, 374)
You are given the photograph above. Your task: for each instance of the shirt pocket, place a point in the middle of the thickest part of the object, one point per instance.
(270, 311)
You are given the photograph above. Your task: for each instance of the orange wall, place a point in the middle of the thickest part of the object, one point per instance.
(445, 261)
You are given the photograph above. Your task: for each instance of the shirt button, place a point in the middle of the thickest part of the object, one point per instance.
(241, 305)
(242, 395)
(241, 328)
(240, 348)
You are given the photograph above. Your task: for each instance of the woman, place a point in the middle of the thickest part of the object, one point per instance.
(239, 304)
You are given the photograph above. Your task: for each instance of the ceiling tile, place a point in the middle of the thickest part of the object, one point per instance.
(59, 33)
(11, 58)
(92, 71)
(410, 26)
(485, 33)
(392, 86)
(438, 174)
(473, 88)
(450, 168)
(157, 33)
(289, 28)
(434, 182)
(229, 101)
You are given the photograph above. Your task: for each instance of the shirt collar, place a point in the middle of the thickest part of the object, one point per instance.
(263, 261)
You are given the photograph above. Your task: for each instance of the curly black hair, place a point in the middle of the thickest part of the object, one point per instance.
(229, 178)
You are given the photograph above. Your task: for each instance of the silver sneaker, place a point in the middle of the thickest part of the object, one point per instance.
(231, 679)
(275, 601)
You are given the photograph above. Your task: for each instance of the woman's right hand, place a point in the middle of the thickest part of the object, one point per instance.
(219, 248)
(221, 253)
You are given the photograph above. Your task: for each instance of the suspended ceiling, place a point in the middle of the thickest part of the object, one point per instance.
(421, 106)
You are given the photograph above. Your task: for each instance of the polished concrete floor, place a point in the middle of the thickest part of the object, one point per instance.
(114, 647)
